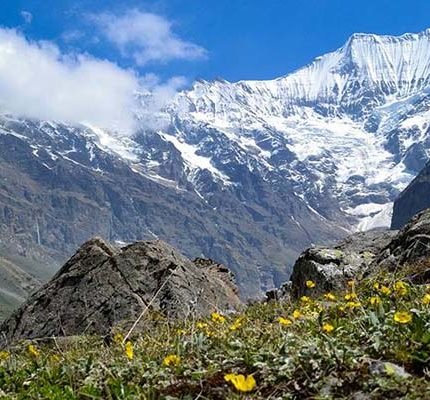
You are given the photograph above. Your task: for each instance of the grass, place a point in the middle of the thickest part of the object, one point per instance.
(375, 343)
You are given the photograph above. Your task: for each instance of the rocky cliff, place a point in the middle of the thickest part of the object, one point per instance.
(415, 198)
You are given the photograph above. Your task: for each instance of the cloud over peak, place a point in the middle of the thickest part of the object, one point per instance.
(38, 81)
(146, 37)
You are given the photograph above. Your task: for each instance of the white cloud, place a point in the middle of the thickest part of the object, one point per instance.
(158, 95)
(37, 81)
(146, 37)
(72, 36)
(27, 17)
(162, 92)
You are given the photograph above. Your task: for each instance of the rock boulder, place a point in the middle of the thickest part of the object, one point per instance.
(102, 286)
(331, 267)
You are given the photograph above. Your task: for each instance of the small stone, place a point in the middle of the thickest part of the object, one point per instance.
(388, 369)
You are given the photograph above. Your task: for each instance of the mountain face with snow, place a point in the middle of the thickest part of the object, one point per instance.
(356, 120)
(248, 173)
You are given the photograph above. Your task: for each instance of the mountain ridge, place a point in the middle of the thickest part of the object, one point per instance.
(234, 172)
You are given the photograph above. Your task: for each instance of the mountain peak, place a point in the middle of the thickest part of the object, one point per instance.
(361, 37)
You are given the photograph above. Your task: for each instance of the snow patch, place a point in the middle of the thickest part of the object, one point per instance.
(381, 219)
(194, 161)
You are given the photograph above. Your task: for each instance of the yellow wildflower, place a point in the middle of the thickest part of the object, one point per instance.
(237, 324)
(305, 299)
(284, 321)
(426, 299)
(118, 338)
(353, 304)
(385, 290)
(351, 284)
(55, 358)
(330, 296)
(401, 288)
(129, 350)
(201, 325)
(376, 286)
(350, 296)
(217, 317)
(240, 382)
(172, 360)
(341, 308)
(327, 328)
(375, 300)
(297, 314)
(33, 351)
(402, 317)
(4, 355)
(310, 284)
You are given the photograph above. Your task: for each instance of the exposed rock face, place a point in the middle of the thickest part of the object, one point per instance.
(102, 286)
(281, 294)
(411, 245)
(415, 198)
(331, 267)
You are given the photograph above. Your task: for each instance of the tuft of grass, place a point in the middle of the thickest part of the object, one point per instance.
(336, 346)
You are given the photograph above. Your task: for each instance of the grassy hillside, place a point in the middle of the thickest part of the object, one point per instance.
(372, 340)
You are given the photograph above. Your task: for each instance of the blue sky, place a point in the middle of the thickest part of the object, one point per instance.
(242, 39)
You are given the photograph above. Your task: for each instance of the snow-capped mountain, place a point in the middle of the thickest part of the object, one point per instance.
(248, 173)
(353, 124)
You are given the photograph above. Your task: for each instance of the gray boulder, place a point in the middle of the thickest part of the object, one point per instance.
(281, 294)
(102, 286)
(359, 255)
(331, 267)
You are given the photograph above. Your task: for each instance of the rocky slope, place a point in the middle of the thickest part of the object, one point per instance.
(59, 188)
(102, 287)
(21, 274)
(415, 198)
(15, 286)
(248, 173)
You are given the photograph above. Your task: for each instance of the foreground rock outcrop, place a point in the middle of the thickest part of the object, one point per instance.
(411, 245)
(102, 286)
(332, 267)
(361, 254)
